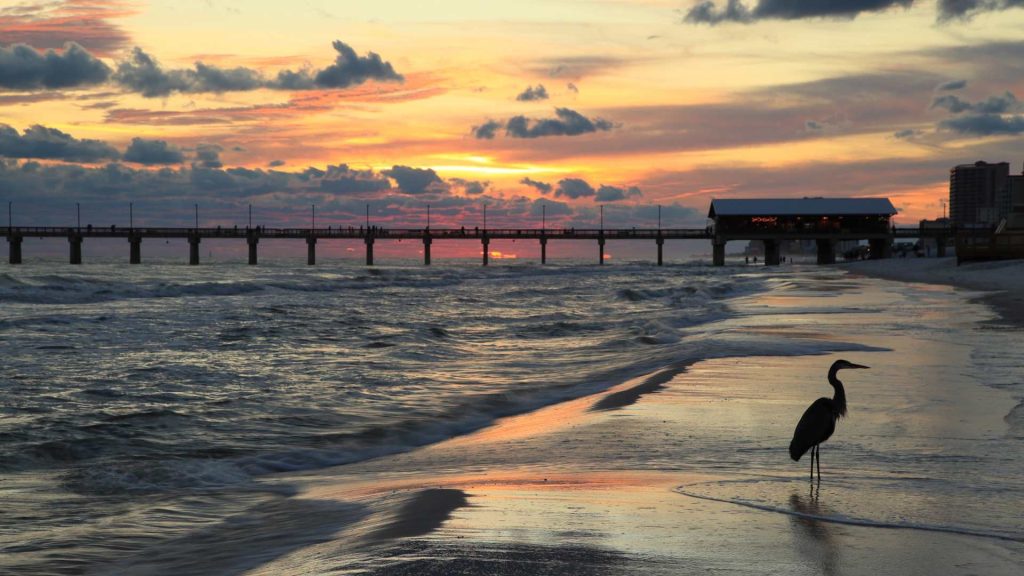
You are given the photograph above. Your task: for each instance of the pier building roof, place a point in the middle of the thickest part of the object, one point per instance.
(802, 207)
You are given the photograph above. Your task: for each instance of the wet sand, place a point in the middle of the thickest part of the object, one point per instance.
(683, 470)
(612, 484)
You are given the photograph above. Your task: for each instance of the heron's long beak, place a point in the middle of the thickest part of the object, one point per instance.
(852, 365)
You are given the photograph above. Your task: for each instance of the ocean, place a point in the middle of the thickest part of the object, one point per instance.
(140, 405)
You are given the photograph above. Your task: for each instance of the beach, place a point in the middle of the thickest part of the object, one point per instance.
(681, 468)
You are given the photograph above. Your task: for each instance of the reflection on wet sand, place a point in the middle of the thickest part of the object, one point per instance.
(814, 539)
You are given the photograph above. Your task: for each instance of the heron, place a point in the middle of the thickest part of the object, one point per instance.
(819, 420)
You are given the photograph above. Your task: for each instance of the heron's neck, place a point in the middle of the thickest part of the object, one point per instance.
(839, 398)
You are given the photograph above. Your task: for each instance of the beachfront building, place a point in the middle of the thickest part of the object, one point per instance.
(979, 194)
(825, 221)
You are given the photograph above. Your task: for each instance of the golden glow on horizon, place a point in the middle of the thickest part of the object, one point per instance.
(605, 60)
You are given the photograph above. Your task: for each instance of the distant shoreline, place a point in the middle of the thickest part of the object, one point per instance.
(1003, 280)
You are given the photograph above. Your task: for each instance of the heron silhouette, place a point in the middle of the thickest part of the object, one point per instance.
(819, 420)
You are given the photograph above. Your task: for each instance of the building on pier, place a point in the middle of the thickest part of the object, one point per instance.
(826, 221)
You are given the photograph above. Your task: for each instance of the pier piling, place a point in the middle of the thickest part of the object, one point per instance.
(543, 250)
(427, 241)
(487, 248)
(14, 248)
(771, 253)
(135, 249)
(718, 253)
(369, 250)
(661, 244)
(193, 249)
(826, 251)
(253, 241)
(600, 249)
(311, 251)
(75, 242)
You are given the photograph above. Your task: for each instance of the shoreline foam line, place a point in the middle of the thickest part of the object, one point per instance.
(854, 521)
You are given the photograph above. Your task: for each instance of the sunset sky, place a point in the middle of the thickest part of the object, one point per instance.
(566, 104)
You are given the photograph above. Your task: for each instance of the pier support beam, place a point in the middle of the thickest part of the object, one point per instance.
(369, 250)
(75, 240)
(193, 249)
(487, 249)
(880, 248)
(600, 249)
(718, 253)
(826, 251)
(311, 251)
(14, 248)
(253, 241)
(771, 253)
(135, 249)
(661, 245)
(543, 250)
(427, 241)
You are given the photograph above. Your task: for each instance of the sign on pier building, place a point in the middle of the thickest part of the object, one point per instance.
(826, 220)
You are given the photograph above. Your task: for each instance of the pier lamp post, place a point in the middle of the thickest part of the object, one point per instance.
(543, 217)
(78, 212)
(485, 216)
(197, 216)
(367, 217)
(659, 217)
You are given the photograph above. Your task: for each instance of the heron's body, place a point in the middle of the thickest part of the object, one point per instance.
(819, 420)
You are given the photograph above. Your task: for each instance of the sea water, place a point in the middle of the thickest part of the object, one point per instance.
(141, 404)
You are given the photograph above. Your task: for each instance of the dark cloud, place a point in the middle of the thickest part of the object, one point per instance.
(208, 156)
(568, 123)
(470, 187)
(533, 93)
(708, 11)
(615, 194)
(415, 180)
(52, 144)
(344, 180)
(275, 163)
(1002, 104)
(542, 187)
(967, 9)
(143, 151)
(141, 73)
(24, 68)
(553, 208)
(950, 102)
(984, 124)
(574, 188)
(952, 85)
(572, 88)
(350, 69)
(814, 126)
(486, 130)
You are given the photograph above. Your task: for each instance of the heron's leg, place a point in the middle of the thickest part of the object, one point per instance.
(812, 462)
(818, 451)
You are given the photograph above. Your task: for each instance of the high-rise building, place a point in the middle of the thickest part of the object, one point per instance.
(979, 193)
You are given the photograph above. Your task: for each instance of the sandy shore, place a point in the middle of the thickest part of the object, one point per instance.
(1002, 280)
(685, 470)
(645, 478)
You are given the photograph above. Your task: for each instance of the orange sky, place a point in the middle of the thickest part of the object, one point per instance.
(638, 96)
